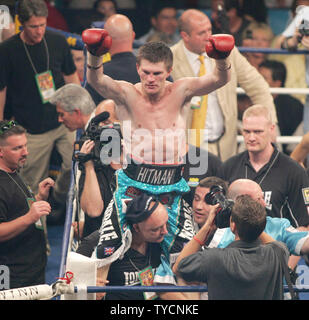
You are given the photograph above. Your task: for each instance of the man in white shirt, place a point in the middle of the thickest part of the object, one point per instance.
(221, 121)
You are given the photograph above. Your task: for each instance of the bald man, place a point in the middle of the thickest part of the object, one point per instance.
(123, 62)
(221, 116)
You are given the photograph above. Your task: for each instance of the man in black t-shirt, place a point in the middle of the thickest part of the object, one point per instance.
(284, 182)
(34, 63)
(22, 241)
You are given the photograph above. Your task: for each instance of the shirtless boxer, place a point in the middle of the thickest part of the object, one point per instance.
(148, 106)
(154, 103)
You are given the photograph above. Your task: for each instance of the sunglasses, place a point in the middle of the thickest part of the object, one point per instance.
(7, 126)
(166, 199)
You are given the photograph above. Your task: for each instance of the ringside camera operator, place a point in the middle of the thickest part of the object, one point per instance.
(246, 269)
(77, 110)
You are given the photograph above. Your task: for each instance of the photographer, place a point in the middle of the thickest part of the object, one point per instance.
(249, 261)
(227, 17)
(77, 110)
(280, 229)
(296, 34)
(297, 31)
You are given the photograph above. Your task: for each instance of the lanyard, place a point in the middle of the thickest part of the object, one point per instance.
(29, 57)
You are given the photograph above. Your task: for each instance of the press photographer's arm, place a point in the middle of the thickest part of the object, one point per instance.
(297, 32)
(91, 198)
(195, 244)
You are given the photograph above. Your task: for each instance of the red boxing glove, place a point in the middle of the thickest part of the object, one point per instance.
(219, 46)
(97, 41)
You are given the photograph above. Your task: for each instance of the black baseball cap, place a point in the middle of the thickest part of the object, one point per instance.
(138, 209)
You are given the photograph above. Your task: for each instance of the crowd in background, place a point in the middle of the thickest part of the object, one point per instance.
(231, 115)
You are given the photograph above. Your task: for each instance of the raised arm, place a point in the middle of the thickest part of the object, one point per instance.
(98, 42)
(301, 151)
(195, 244)
(218, 47)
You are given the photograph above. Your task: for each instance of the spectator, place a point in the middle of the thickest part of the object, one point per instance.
(289, 109)
(283, 181)
(221, 121)
(164, 24)
(257, 35)
(22, 240)
(229, 19)
(29, 59)
(79, 61)
(105, 8)
(254, 10)
(8, 32)
(148, 218)
(55, 19)
(123, 63)
(248, 260)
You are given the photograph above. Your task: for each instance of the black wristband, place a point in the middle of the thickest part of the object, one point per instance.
(94, 68)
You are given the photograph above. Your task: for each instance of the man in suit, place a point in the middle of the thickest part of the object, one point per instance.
(221, 121)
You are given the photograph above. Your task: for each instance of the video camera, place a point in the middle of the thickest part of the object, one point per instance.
(110, 133)
(217, 195)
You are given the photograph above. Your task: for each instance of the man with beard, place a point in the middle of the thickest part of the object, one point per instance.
(22, 240)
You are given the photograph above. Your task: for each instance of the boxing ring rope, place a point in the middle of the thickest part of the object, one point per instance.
(60, 287)
(47, 292)
(271, 50)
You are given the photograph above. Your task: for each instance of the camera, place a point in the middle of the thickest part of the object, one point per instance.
(304, 28)
(217, 195)
(223, 19)
(102, 136)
